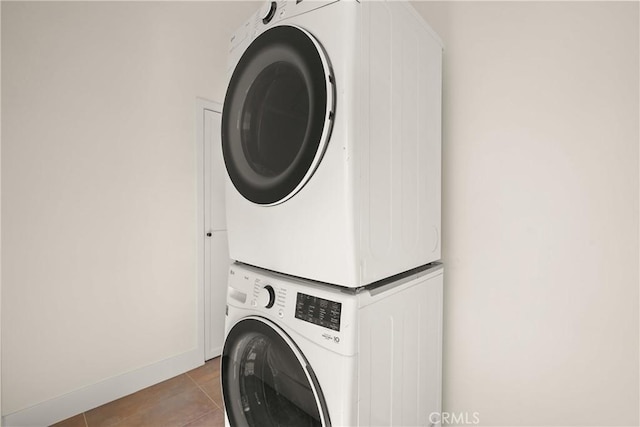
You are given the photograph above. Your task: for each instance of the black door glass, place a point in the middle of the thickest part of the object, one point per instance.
(263, 382)
(275, 118)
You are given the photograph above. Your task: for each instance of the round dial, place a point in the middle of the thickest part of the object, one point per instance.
(268, 11)
(267, 296)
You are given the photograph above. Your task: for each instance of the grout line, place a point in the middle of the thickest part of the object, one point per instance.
(187, 374)
(205, 393)
(141, 413)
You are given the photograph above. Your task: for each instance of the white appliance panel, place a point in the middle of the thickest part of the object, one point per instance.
(383, 365)
(371, 209)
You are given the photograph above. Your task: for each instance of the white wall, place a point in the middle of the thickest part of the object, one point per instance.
(99, 186)
(0, 222)
(540, 232)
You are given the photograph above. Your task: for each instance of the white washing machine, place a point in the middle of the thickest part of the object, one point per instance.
(331, 134)
(298, 353)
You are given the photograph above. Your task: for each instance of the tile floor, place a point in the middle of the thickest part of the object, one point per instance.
(193, 399)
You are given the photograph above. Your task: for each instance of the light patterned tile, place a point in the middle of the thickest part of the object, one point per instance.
(114, 412)
(75, 421)
(175, 411)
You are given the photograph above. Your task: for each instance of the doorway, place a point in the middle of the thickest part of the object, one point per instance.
(213, 252)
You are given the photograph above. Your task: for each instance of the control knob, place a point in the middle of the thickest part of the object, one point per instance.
(267, 296)
(268, 11)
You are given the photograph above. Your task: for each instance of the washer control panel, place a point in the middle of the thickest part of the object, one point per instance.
(277, 298)
(319, 311)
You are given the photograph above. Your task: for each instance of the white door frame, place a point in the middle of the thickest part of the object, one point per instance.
(203, 250)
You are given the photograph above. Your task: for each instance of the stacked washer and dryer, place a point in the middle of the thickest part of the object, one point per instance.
(331, 136)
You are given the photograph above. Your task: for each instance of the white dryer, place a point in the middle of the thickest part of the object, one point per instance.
(298, 353)
(331, 135)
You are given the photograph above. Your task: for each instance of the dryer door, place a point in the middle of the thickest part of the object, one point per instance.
(266, 381)
(277, 115)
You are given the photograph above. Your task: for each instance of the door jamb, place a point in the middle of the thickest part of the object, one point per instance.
(202, 105)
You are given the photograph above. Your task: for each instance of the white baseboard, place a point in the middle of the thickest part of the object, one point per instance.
(89, 397)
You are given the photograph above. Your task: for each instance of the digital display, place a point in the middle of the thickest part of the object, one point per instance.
(318, 311)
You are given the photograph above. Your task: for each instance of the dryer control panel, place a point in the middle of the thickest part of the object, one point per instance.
(270, 13)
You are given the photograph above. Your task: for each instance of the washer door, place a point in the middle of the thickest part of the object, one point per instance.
(277, 115)
(266, 381)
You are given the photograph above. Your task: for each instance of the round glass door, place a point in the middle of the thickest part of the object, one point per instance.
(277, 115)
(266, 382)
